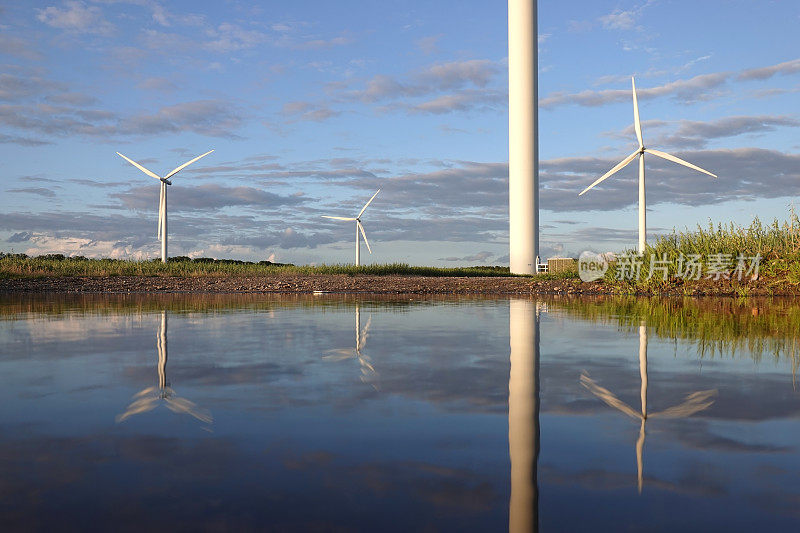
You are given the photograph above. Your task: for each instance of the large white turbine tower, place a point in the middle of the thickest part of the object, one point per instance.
(640, 152)
(162, 201)
(523, 132)
(359, 228)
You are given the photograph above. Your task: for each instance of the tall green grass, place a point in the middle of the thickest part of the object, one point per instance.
(20, 265)
(773, 241)
(777, 244)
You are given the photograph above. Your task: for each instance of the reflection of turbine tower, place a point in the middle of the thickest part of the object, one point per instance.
(523, 415)
(694, 402)
(148, 399)
(368, 373)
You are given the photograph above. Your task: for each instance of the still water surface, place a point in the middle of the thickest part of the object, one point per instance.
(184, 412)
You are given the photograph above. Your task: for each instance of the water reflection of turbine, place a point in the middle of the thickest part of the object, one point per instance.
(148, 399)
(694, 402)
(368, 372)
(523, 415)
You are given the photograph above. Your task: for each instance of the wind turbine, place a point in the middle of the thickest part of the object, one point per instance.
(640, 152)
(368, 372)
(148, 399)
(694, 402)
(162, 201)
(359, 227)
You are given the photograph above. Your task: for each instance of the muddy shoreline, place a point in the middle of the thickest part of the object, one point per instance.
(358, 284)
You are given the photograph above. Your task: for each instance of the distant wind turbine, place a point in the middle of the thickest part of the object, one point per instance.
(162, 202)
(693, 403)
(640, 152)
(359, 227)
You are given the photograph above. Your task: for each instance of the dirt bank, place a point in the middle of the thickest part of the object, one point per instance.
(384, 285)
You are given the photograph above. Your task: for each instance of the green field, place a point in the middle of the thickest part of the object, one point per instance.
(20, 265)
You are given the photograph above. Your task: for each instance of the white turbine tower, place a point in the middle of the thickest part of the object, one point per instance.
(640, 152)
(523, 133)
(162, 202)
(359, 228)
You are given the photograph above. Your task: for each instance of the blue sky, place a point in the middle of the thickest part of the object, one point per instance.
(312, 106)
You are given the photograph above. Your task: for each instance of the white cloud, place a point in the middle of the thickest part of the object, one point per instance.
(478, 72)
(430, 80)
(619, 20)
(209, 196)
(460, 101)
(20, 87)
(44, 243)
(624, 19)
(157, 84)
(39, 191)
(686, 91)
(428, 45)
(445, 88)
(214, 118)
(763, 73)
(228, 37)
(308, 111)
(22, 141)
(480, 256)
(699, 88)
(76, 17)
(18, 47)
(318, 44)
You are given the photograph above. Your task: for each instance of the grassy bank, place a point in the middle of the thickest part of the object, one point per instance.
(777, 245)
(20, 265)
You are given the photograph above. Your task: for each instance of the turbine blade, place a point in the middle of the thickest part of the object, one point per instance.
(619, 166)
(142, 405)
(182, 405)
(140, 167)
(346, 354)
(365, 333)
(367, 204)
(607, 396)
(694, 403)
(168, 176)
(636, 124)
(339, 218)
(364, 235)
(678, 160)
